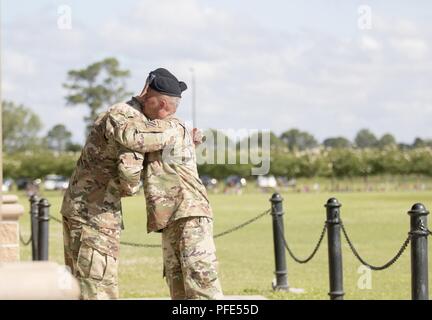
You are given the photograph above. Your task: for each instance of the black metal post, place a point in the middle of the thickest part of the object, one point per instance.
(419, 252)
(334, 249)
(43, 229)
(280, 259)
(34, 215)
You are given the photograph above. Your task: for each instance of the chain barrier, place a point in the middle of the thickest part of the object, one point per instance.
(140, 245)
(55, 219)
(25, 243)
(315, 250)
(244, 224)
(423, 228)
(132, 244)
(376, 268)
(291, 253)
(143, 245)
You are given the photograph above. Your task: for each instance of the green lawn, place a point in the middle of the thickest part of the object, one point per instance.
(377, 222)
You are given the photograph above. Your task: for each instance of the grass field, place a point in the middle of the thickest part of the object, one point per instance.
(377, 222)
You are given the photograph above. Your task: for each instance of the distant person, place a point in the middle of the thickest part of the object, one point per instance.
(32, 189)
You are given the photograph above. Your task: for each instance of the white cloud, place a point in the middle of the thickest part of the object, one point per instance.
(248, 75)
(369, 43)
(7, 88)
(411, 47)
(19, 63)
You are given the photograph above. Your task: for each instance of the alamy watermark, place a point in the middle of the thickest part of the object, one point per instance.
(228, 147)
(364, 20)
(365, 279)
(64, 278)
(64, 20)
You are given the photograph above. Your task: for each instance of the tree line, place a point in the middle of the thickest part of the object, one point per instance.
(22, 126)
(335, 163)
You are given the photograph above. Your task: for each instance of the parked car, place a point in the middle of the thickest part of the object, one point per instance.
(22, 183)
(232, 181)
(234, 184)
(209, 182)
(55, 182)
(266, 182)
(7, 185)
(287, 183)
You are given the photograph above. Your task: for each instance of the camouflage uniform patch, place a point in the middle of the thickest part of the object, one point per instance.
(172, 186)
(190, 262)
(129, 168)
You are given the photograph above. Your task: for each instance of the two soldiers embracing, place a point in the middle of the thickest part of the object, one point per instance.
(141, 138)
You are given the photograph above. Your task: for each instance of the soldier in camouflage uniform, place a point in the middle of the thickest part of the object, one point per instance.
(109, 168)
(177, 201)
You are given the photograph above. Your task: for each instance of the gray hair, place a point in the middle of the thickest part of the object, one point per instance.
(175, 101)
(172, 101)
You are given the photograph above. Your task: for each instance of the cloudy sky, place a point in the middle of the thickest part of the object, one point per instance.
(326, 67)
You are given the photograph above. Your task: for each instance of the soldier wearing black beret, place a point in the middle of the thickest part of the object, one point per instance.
(177, 201)
(166, 83)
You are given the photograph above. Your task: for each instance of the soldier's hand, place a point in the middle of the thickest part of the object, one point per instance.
(198, 136)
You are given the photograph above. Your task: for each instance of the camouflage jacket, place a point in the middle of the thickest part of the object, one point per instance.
(172, 187)
(110, 167)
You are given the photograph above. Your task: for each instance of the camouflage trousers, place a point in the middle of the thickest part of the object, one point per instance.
(189, 256)
(86, 254)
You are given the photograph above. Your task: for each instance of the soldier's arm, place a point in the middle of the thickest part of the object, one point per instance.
(130, 165)
(141, 136)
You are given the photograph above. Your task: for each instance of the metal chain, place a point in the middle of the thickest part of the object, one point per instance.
(141, 245)
(55, 219)
(315, 250)
(376, 268)
(423, 228)
(242, 225)
(132, 244)
(25, 243)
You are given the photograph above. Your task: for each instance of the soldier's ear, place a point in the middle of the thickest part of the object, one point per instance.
(163, 103)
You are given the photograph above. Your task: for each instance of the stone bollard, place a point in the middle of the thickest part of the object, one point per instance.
(9, 229)
(9, 199)
(34, 219)
(40, 280)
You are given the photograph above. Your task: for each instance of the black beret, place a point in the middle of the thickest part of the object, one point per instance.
(166, 83)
